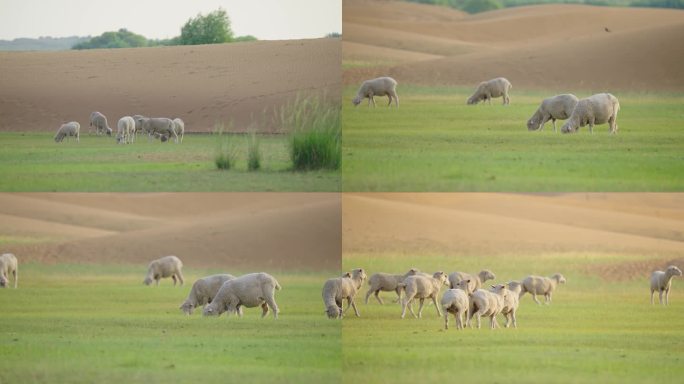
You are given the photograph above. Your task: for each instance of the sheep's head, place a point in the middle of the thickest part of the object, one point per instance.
(119, 139)
(514, 286)
(347, 275)
(58, 138)
(473, 100)
(164, 138)
(674, 271)
(442, 277)
(463, 284)
(210, 310)
(559, 278)
(486, 274)
(187, 308)
(3, 282)
(412, 271)
(356, 101)
(568, 127)
(148, 280)
(532, 124)
(109, 131)
(333, 312)
(500, 289)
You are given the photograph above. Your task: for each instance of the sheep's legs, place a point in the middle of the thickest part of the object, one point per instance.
(667, 295)
(534, 297)
(377, 296)
(446, 319)
(16, 276)
(180, 278)
(434, 301)
(420, 308)
(515, 321)
(660, 296)
(390, 100)
(370, 291)
(174, 279)
(407, 303)
(264, 309)
(652, 292)
(270, 301)
(353, 305)
(398, 291)
(554, 125)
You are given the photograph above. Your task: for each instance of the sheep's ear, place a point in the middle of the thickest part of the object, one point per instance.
(493, 286)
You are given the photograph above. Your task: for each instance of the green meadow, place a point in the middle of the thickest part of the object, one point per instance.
(435, 142)
(34, 162)
(595, 330)
(97, 323)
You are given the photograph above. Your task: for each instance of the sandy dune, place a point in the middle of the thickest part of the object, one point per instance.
(481, 224)
(201, 84)
(558, 46)
(240, 230)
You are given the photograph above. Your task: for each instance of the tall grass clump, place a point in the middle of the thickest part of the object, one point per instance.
(253, 152)
(315, 132)
(225, 150)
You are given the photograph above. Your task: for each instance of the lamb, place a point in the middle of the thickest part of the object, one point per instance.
(662, 281)
(8, 265)
(487, 90)
(538, 285)
(387, 283)
(554, 108)
(167, 266)
(422, 287)
(337, 289)
(179, 128)
(203, 291)
(99, 121)
(486, 303)
(125, 130)
(511, 303)
(160, 125)
(597, 109)
(251, 290)
(68, 129)
(455, 301)
(381, 86)
(475, 280)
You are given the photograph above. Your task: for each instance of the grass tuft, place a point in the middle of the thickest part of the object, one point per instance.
(253, 152)
(225, 153)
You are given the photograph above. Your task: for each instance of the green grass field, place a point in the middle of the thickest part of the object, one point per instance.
(435, 142)
(594, 331)
(34, 162)
(85, 324)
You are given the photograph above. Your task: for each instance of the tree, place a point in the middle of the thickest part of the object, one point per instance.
(475, 6)
(119, 39)
(213, 28)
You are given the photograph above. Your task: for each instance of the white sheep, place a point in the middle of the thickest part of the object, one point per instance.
(337, 289)
(8, 266)
(511, 303)
(99, 121)
(387, 282)
(487, 90)
(203, 291)
(422, 287)
(662, 281)
(138, 123)
(179, 128)
(251, 290)
(554, 108)
(67, 130)
(167, 266)
(597, 109)
(486, 303)
(455, 301)
(539, 285)
(382, 86)
(125, 130)
(476, 281)
(158, 125)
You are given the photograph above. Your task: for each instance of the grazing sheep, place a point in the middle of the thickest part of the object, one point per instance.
(382, 86)
(554, 108)
(539, 285)
(167, 266)
(486, 303)
(8, 266)
(597, 109)
(125, 130)
(160, 125)
(203, 291)
(252, 290)
(511, 303)
(476, 281)
(422, 287)
(99, 121)
(138, 123)
(179, 128)
(387, 283)
(455, 301)
(662, 281)
(487, 90)
(337, 289)
(68, 129)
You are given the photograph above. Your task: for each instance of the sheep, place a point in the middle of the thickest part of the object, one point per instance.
(125, 130)
(487, 303)
(138, 123)
(387, 282)
(251, 290)
(8, 265)
(381, 86)
(511, 303)
(475, 280)
(554, 108)
(597, 109)
(662, 281)
(455, 301)
(203, 292)
(167, 266)
(487, 90)
(538, 285)
(72, 128)
(337, 289)
(99, 121)
(160, 125)
(422, 287)
(179, 128)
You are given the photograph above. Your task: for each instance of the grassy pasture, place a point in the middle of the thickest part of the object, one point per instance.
(90, 323)
(435, 142)
(594, 331)
(34, 162)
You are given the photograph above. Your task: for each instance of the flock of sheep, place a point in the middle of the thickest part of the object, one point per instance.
(127, 128)
(597, 109)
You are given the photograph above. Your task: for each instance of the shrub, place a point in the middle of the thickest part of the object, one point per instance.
(253, 152)
(225, 150)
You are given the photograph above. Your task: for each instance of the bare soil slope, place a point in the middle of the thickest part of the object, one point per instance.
(203, 85)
